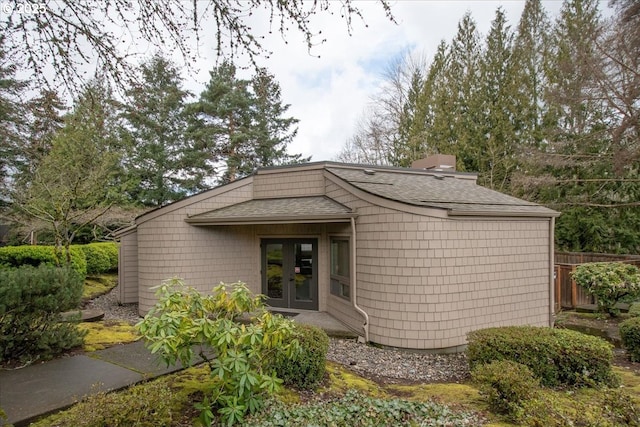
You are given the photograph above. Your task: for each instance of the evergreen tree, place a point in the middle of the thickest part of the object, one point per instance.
(497, 158)
(273, 131)
(12, 113)
(161, 164)
(463, 76)
(440, 133)
(73, 185)
(46, 113)
(238, 123)
(531, 63)
(410, 143)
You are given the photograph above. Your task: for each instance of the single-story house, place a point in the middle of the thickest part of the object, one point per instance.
(407, 257)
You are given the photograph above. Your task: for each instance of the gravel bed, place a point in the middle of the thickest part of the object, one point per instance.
(112, 309)
(388, 365)
(398, 366)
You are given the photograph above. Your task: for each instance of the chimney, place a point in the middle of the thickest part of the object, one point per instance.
(436, 162)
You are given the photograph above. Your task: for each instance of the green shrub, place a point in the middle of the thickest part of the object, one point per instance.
(183, 319)
(100, 257)
(609, 282)
(630, 334)
(31, 300)
(357, 410)
(306, 368)
(558, 357)
(34, 255)
(634, 309)
(506, 385)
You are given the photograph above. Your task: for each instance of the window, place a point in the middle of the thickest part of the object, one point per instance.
(340, 259)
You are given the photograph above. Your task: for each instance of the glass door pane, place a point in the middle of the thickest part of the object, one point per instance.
(303, 268)
(290, 273)
(274, 258)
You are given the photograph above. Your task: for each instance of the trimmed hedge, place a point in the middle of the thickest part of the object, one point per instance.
(34, 255)
(306, 369)
(558, 357)
(101, 257)
(31, 300)
(506, 385)
(630, 334)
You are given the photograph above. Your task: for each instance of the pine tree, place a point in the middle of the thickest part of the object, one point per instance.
(161, 164)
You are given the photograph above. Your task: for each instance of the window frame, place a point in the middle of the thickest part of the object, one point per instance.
(343, 282)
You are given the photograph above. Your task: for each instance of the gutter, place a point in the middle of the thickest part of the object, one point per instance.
(354, 281)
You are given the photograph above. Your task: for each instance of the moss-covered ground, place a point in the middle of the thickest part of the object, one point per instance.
(94, 286)
(103, 334)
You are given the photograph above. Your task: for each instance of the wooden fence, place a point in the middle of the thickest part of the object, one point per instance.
(568, 295)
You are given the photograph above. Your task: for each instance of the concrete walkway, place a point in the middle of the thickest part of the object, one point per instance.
(29, 393)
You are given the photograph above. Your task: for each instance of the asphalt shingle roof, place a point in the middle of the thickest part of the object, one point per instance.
(438, 191)
(314, 208)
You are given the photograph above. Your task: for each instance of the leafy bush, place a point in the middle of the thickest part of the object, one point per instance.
(34, 255)
(305, 369)
(100, 257)
(357, 410)
(630, 334)
(183, 319)
(634, 309)
(145, 405)
(610, 282)
(31, 300)
(557, 357)
(506, 385)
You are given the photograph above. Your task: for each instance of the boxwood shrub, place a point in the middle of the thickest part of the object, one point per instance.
(34, 255)
(506, 385)
(558, 357)
(630, 334)
(31, 300)
(101, 257)
(307, 368)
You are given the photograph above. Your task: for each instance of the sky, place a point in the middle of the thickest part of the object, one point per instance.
(329, 89)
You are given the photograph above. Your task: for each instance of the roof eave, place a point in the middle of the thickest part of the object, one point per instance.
(124, 231)
(315, 219)
(548, 214)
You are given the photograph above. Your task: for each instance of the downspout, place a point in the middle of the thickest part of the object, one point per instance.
(552, 310)
(354, 281)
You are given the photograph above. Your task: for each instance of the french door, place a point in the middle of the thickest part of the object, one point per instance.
(290, 273)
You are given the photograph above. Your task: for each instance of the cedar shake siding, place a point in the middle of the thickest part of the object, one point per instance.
(436, 255)
(128, 268)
